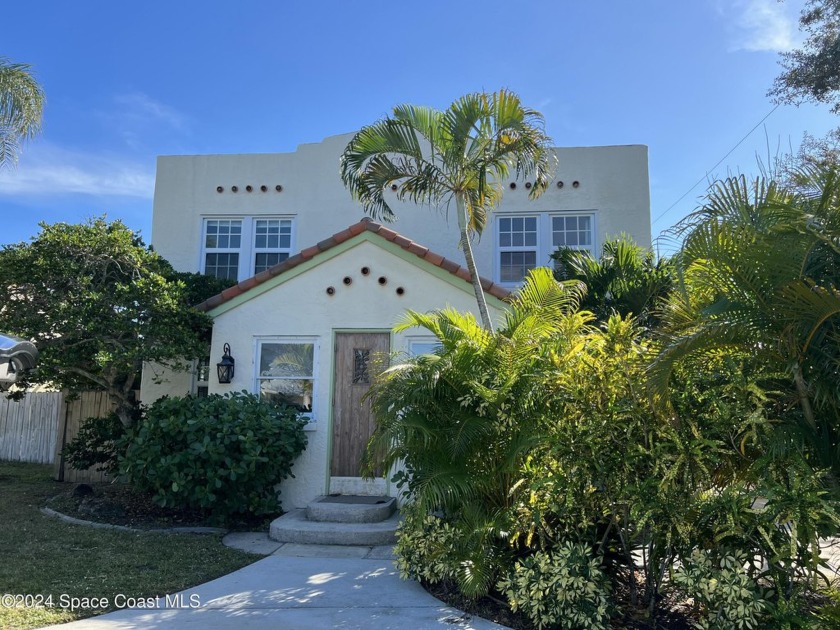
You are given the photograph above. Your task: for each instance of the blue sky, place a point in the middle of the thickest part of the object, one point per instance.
(126, 82)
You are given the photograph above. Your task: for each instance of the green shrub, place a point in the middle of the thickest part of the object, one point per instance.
(222, 454)
(729, 596)
(426, 547)
(566, 588)
(98, 443)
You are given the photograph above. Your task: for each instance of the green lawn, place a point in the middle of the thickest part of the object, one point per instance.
(40, 556)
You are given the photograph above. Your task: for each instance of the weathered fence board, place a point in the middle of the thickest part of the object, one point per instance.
(28, 428)
(86, 405)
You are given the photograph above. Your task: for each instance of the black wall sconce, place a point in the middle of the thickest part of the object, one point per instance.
(224, 368)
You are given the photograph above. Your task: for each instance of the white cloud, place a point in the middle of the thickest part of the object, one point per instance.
(140, 107)
(762, 25)
(46, 170)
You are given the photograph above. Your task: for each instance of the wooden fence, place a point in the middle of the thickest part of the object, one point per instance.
(37, 428)
(29, 427)
(75, 412)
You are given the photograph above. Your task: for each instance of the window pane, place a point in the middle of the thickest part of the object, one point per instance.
(287, 359)
(273, 233)
(223, 234)
(514, 265)
(416, 348)
(504, 225)
(222, 266)
(297, 393)
(531, 224)
(504, 239)
(265, 260)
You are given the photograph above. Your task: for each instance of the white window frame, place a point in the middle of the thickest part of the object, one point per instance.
(413, 343)
(247, 246)
(205, 250)
(544, 247)
(311, 416)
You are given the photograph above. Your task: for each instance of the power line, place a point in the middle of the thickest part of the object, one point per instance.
(700, 181)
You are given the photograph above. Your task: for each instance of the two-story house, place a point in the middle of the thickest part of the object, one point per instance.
(320, 287)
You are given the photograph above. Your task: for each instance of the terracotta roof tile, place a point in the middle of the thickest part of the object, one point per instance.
(449, 265)
(354, 230)
(309, 252)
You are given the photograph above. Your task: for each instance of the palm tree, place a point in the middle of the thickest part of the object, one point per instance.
(760, 271)
(21, 108)
(461, 154)
(627, 279)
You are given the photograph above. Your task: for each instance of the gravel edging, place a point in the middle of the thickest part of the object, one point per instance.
(122, 528)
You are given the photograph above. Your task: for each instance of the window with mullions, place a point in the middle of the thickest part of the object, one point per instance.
(574, 232)
(236, 249)
(517, 241)
(525, 242)
(287, 373)
(222, 242)
(272, 242)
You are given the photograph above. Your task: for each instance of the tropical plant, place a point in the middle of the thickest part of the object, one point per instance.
(760, 274)
(565, 588)
(459, 155)
(626, 279)
(21, 108)
(460, 422)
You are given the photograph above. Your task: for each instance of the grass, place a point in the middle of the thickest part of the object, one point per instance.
(42, 556)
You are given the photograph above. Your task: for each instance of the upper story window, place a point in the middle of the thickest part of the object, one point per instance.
(236, 249)
(524, 242)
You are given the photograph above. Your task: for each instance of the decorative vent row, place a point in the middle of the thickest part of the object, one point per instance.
(250, 188)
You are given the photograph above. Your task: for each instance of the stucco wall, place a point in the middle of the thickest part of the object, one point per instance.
(613, 183)
(300, 307)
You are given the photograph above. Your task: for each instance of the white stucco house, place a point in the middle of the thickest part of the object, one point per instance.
(316, 299)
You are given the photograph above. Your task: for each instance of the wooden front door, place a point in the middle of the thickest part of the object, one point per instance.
(356, 358)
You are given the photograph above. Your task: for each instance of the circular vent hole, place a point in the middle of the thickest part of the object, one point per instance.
(382, 280)
(264, 188)
(330, 290)
(278, 188)
(220, 189)
(559, 184)
(400, 290)
(365, 271)
(575, 184)
(513, 185)
(347, 280)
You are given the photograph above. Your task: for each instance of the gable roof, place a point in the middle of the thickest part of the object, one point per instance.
(365, 225)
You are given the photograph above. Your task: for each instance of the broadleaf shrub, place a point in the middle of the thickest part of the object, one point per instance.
(729, 596)
(565, 588)
(426, 546)
(222, 454)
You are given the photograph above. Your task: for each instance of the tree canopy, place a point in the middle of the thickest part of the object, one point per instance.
(21, 108)
(812, 72)
(462, 154)
(98, 303)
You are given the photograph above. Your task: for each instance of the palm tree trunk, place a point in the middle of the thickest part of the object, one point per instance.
(466, 246)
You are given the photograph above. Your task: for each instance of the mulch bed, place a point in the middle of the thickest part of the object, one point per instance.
(120, 504)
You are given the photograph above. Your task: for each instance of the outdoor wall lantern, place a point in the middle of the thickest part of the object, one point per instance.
(224, 368)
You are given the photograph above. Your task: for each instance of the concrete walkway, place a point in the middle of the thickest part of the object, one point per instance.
(297, 587)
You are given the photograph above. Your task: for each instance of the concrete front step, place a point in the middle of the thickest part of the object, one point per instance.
(351, 509)
(294, 527)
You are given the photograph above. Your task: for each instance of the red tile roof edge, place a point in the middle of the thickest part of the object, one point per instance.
(407, 244)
